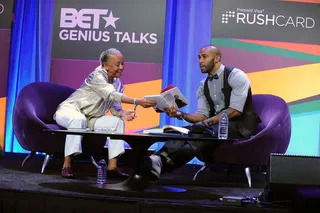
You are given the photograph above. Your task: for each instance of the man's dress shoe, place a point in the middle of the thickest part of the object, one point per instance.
(116, 173)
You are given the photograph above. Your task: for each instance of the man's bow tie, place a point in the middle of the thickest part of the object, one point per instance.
(215, 76)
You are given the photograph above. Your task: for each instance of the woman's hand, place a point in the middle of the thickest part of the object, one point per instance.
(172, 111)
(145, 103)
(127, 115)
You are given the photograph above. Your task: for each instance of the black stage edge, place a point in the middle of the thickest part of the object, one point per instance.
(26, 190)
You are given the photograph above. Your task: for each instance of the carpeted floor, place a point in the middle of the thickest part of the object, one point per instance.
(206, 190)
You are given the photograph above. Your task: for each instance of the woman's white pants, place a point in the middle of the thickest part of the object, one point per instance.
(72, 119)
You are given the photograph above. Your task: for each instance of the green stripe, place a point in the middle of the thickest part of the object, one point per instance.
(305, 107)
(264, 49)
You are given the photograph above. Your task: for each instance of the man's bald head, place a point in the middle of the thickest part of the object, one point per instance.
(212, 49)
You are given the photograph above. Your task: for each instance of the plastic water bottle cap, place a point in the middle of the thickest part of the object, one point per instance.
(224, 111)
(102, 161)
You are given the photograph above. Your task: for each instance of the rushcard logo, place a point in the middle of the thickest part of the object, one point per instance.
(97, 25)
(259, 17)
(1, 9)
(227, 15)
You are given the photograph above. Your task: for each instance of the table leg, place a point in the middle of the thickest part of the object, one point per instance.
(136, 182)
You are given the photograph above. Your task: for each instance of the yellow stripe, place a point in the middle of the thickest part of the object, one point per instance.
(291, 83)
(2, 120)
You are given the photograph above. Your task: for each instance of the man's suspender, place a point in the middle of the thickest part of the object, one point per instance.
(226, 91)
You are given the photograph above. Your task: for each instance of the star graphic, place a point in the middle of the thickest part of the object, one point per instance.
(110, 20)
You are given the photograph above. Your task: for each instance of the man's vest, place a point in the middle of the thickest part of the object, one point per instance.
(248, 121)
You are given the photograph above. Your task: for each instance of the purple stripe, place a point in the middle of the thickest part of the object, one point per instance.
(4, 60)
(309, 99)
(73, 72)
(250, 61)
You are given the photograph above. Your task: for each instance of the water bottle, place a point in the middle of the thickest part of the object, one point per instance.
(223, 125)
(102, 172)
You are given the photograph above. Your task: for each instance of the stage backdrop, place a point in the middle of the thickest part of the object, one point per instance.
(83, 29)
(5, 26)
(277, 44)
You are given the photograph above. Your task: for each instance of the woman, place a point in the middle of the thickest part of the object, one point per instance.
(86, 108)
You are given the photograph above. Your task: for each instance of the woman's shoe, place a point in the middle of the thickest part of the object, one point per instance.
(67, 172)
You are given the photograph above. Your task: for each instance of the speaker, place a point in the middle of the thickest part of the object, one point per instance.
(288, 172)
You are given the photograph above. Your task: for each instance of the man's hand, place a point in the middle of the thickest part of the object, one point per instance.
(207, 122)
(172, 111)
(145, 103)
(215, 119)
(127, 115)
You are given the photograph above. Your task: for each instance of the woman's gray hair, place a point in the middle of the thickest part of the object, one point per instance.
(105, 55)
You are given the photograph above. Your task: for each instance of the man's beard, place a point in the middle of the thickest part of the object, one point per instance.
(210, 66)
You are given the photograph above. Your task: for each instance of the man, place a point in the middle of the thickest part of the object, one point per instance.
(86, 107)
(224, 88)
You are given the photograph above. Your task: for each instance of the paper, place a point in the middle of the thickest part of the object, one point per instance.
(167, 127)
(167, 98)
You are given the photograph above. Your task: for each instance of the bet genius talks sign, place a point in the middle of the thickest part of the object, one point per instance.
(5, 14)
(82, 29)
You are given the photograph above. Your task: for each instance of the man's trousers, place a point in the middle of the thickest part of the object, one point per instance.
(177, 153)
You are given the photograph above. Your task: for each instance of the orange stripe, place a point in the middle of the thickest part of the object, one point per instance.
(290, 83)
(304, 48)
(146, 118)
(2, 120)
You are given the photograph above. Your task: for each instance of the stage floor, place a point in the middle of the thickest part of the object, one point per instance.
(26, 188)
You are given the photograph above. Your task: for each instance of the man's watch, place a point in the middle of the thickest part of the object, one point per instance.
(181, 115)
